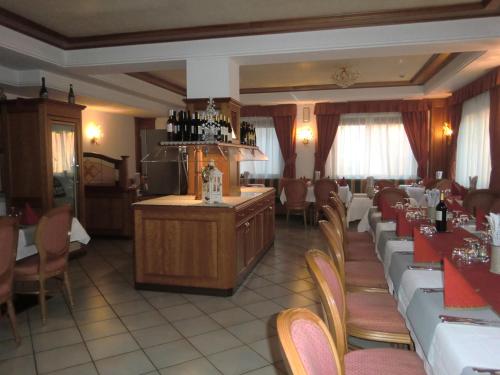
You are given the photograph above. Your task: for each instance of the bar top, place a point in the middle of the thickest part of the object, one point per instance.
(247, 193)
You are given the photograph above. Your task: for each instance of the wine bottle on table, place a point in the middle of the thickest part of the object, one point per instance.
(43, 90)
(441, 211)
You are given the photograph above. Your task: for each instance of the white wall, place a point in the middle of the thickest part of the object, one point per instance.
(118, 135)
(304, 164)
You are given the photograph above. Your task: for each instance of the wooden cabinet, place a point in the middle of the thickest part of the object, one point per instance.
(42, 145)
(200, 248)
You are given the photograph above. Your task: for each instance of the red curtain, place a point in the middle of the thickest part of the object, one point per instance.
(495, 138)
(416, 124)
(454, 117)
(284, 124)
(327, 126)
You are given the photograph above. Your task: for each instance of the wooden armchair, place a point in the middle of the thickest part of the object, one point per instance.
(322, 190)
(296, 192)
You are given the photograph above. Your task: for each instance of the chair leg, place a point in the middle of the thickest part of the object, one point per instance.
(41, 300)
(12, 318)
(67, 288)
(305, 218)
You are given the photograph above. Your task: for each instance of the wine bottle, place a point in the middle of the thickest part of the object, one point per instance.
(71, 95)
(229, 131)
(43, 90)
(199, 127)
(441, 210)
(175, 128)
(170, 126)
(194, 128)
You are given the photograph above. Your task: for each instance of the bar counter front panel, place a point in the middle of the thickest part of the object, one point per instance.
(182, 244)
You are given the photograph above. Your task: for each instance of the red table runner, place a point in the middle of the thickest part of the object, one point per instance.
(465, 286)
(388, 212)
(404, 227)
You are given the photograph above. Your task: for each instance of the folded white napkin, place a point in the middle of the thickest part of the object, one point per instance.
(494, 221)
(432, 197)
(472, 182)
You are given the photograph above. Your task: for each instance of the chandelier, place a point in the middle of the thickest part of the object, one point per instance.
(345, 77)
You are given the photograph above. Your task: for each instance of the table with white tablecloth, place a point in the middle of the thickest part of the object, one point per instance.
(415, 192)
(26, 246)
(360, 204)
(344, 194)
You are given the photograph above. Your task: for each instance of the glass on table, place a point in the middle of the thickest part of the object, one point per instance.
(428, 230)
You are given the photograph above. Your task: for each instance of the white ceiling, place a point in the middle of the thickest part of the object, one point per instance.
(100, 17)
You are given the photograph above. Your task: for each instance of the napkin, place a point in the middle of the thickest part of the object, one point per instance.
(494, 221)
(472, 182)
(432, 197)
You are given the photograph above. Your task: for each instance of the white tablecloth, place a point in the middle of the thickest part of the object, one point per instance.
(415, 192)
(360, 204)
(26, 246)
(344, 194)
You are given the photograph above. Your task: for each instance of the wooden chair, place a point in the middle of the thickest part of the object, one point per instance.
(306, 345)
(357, 246)
(367, 276)
(322, 190)
(383, 184)
(390, 195)
(368, 316)
(481, 198)
(52, 242)
(443, 184)
(350, 237)
(8, 252)
(296, 192)
(308, 348)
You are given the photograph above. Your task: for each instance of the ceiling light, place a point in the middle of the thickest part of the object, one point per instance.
(345, 76)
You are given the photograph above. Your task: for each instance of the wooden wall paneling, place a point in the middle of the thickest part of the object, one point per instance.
(439, 144)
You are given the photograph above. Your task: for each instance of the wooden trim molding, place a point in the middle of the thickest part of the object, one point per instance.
(160, 82)
(435, 63)
(262, 90)
(484, 8)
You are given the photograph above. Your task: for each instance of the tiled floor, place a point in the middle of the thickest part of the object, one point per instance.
(117, 330)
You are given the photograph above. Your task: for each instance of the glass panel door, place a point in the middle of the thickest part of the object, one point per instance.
(64, 167)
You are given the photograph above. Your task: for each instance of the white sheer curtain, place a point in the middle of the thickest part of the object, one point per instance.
(268, 143)
(371, 144)
(473, 142)
(63, 150)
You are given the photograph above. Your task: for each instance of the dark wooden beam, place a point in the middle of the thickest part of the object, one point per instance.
(435, 63)
(483, 8)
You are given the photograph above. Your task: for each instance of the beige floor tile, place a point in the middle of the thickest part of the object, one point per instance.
(67, 356)
(54, 323)
(134, 363)
(196, 326)
(85, 369)
(156, 335)
(172, 353)
(246, 297)
(132, 307)
(214, 304)
(194, 367)
(237, 361)
(273, 291)
(89, 303)
(93, 315)
(253, 331)
(298, 286)
(56, 339)
(263, 309)
(18, 366)
(102, 329)
(163, 300)
(111, 346)
(231, 317)
(9, 348)
(268, 370)
(143, 320)
(215, 341)
(293, 300)
(185, 311)
(268, 348)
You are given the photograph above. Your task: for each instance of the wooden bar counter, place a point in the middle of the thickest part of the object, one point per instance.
(182, 244)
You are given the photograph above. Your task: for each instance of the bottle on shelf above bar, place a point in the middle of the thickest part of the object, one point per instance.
(229, 131)
(43, 90)
(71, 95)
(170, 125)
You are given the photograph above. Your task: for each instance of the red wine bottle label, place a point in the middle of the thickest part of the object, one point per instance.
(439, 215)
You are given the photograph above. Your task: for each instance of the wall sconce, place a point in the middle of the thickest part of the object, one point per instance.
(305, 134)
(447, 130)
(94, 133)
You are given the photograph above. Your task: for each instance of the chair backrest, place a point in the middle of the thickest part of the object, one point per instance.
(335, 245)
(495, 206)
(8, 251)
(335, 217)
(332, 294)
(322, 189)
(306, 345)
(391, 196)
(296, 191)
(443, 184)
(481, 198)
(382, 184)
(52, 235)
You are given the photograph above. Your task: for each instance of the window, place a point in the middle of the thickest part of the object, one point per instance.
(268, 143)
(371, 144)
(473, 142)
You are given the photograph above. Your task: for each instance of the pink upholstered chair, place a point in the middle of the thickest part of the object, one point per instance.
(8, 251)
(306, 345)
(367, 276)
(296, 192)
(322, 190)
(52, 242)
(368, 316)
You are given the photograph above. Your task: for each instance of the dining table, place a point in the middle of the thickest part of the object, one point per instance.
(26, 239)
(344, 193)
(452, 310)
(416, 192)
